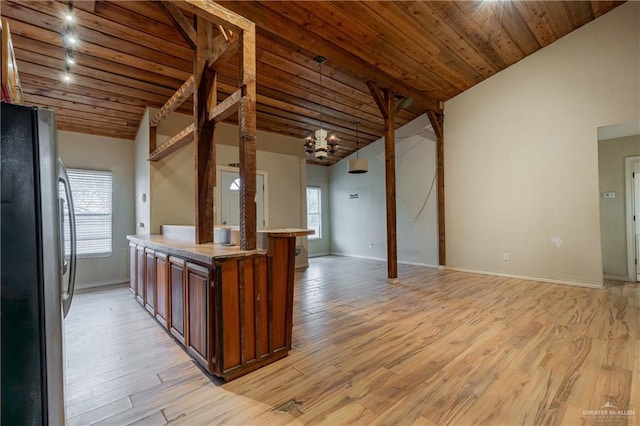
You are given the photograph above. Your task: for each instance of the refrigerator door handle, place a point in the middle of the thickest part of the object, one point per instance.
(63, 261)
(67, 294)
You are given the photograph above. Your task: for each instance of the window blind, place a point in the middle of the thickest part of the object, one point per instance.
(92, 199)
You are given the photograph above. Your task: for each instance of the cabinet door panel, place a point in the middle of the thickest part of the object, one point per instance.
(280, 278)
(230, 314)
(150, 281)
(176, 283)
(198, 281)
(162, 289)
(248, 295)
(140, 265)
(262, 313)
(132, 268)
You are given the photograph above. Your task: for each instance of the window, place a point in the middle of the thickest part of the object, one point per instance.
(235, 185)
(91, 191)
(314, 207)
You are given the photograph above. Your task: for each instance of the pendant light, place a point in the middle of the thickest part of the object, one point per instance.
(358, 165)
(321, 144)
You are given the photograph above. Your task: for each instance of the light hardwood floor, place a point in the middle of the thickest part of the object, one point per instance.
(442, 347)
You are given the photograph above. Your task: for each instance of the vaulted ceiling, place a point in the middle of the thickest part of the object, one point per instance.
(129, 56)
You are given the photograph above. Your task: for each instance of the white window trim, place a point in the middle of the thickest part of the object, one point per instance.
(76, 171)
(315, 237)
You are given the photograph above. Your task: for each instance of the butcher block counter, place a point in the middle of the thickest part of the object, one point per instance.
(232, 309)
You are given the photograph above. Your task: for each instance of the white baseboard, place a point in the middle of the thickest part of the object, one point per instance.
(528, 278)
(379, 259)
(617, 278)
(319, 254)
(93, 284)
(426, 265)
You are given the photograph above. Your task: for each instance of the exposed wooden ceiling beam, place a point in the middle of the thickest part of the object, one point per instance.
(378, 97)
(178, 98)
(175, 143)
(180, 22)
(225, 108)
(223, 47)
(217, 14)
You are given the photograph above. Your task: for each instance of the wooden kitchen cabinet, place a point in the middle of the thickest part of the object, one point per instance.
(162, 288)
(231, 309)
(177, 298)
(140, 275)
(200, 315)
(150, 281)
(132, 268)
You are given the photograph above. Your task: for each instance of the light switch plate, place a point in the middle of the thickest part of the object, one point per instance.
(609, 195)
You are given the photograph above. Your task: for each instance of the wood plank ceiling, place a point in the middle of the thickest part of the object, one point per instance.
(130, 56)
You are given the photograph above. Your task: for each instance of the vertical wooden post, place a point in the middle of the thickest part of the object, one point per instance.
(390, 178)
(437, 122)
(204, 143)
(153, 136)
(247, 145)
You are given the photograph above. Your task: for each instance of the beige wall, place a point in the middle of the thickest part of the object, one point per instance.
(142, 178)
(521, 157)
(613, 227)
(172, 179)
(81, 151)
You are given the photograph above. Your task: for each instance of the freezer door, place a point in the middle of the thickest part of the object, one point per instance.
(31, 303)
(51, 266)
(23, 370)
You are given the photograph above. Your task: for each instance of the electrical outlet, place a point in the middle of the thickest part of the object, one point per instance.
(505, 257)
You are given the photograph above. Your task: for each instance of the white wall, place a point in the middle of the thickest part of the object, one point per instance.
(319, 176)
(521, 157)
(359, 224)
(81, 151)
(613, 215)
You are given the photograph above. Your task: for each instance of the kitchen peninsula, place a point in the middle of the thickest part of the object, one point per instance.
(230, 308)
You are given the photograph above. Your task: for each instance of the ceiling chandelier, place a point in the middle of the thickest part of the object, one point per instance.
(320, 144)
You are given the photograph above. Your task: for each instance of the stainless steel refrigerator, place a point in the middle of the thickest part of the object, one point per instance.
(37, 279)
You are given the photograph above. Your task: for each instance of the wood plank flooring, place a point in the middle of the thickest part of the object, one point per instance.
(442, 347)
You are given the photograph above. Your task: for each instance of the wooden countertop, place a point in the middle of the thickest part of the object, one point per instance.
(287, 232)
(207, 253)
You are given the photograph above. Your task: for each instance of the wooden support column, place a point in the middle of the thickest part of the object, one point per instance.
(204, 143)
(390, 178)
(247, 145)
(385, 102)
(437, 122)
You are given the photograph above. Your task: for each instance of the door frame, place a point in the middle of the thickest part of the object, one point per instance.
(630, 203)
(218, 196)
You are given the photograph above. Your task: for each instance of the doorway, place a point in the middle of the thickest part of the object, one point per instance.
(632, 184)
(618, 156)
(228, 197)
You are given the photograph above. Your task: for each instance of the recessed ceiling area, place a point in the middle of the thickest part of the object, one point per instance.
(129, 55)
